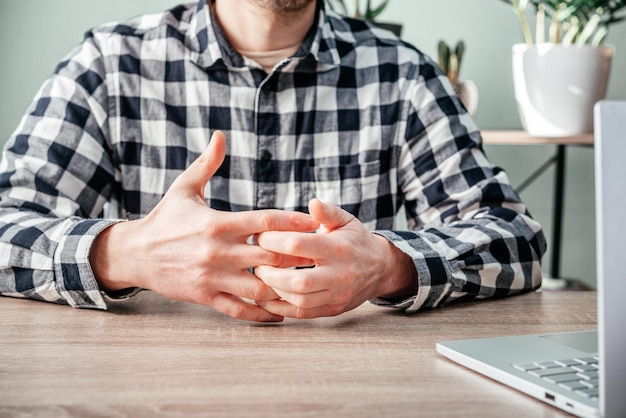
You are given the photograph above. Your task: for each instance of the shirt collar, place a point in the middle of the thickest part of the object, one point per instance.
(209, 45)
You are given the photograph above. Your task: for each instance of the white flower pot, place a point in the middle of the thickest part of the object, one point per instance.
(557, 86)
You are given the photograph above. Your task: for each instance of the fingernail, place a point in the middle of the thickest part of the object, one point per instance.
(261, 303)
(277, 318)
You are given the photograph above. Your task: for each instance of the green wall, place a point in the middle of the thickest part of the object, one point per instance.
(36, 34)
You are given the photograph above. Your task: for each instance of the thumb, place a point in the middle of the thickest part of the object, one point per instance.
(196, 176)
(329, 215)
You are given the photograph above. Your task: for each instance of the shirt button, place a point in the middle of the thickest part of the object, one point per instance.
(266, 156)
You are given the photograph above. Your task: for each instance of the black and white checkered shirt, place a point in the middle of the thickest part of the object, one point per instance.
(355, 117)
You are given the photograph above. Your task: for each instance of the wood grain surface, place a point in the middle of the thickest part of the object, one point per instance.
(154, 357)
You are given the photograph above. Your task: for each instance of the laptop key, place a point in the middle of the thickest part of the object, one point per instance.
(587, 360)
(568, 362)
(549, 364)
(589, 392)
(591, 383)
(550, 372)
(560, 378)
(585, 368)
(525, 367)
(573, 385)
(589, 375)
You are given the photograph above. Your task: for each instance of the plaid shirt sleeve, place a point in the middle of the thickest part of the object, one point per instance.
(356, 117)
(55, 177)
(470, 235)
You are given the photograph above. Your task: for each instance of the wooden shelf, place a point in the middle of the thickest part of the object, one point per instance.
(517, 137)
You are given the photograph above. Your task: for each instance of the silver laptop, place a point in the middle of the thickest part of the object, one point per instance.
(583, 373)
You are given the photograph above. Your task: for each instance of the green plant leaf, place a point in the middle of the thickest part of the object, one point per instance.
(580, 21)
(371, 14)
(444, 56)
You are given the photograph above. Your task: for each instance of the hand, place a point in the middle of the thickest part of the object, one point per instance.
(187, 251)
(351, 265)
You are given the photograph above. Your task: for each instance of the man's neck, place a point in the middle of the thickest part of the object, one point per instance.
(250, 26)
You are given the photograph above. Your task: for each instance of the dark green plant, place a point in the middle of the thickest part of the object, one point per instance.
(450, 61)
(338, 6)
(569, 21)
(366, 12)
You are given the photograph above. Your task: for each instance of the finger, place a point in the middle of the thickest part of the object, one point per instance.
(246, 285)
(294, 244)
(284, 309)
(293, 281)
(303, 301)
(289, 261)
(246, 256)
(258, 221)
(195, 178)
(238, 309)
(329, 215)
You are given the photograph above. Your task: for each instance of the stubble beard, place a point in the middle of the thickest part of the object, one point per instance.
(285, 7)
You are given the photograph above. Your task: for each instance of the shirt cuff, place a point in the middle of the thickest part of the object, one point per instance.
(122, 293)
(75, 280)
(432, 271)
(388, 303)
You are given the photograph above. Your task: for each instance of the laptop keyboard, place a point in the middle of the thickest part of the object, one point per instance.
(577, 374)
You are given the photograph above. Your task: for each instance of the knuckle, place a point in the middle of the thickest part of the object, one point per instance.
(211, 227)
(267, 221)
(292, 244)
(300, 313)
(205, 298)
(274, 259)
(256, 293)
(301, 284)
(235, 311)
(210, 257)
(299, 301)
(207, 255)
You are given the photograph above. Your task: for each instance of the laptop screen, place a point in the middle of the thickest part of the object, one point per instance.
(610, 178)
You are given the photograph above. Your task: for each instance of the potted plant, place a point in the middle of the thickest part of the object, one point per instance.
(368, 11)
(563, 70)
(450, 61)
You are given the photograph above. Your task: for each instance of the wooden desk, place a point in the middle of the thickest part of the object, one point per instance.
(154, 357)
(522, 138)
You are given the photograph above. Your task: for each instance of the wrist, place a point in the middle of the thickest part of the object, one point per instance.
(399, 273)
(105, 259)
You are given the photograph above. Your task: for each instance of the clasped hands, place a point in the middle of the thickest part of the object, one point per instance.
(187, 251)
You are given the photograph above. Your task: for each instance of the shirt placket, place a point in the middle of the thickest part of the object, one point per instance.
(267, 132)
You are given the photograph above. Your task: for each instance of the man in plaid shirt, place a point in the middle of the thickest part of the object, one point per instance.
(193, 152)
